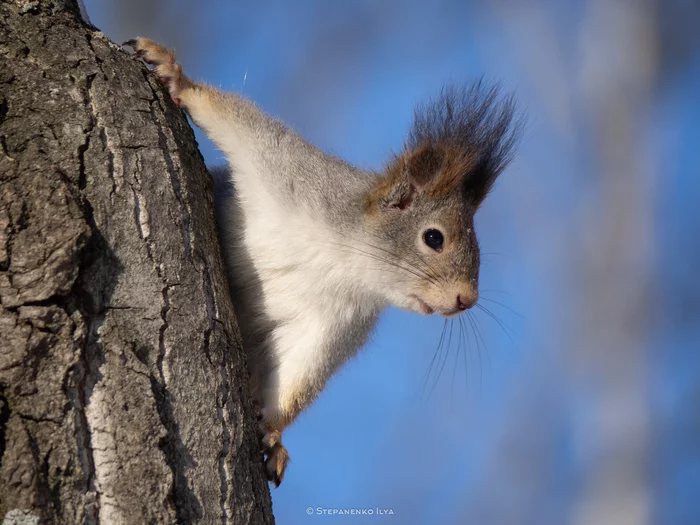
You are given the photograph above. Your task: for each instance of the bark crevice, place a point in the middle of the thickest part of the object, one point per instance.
(122, 389)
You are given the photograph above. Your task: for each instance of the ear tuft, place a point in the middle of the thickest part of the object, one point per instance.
(465, 136)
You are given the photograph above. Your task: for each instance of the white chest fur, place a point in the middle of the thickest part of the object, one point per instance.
(311, 294)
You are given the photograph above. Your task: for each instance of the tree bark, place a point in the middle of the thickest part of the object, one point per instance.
(123, 389)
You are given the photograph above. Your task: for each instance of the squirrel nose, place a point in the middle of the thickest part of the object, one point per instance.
(466, 301)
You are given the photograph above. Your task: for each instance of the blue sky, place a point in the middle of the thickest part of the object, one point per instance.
(503, 436)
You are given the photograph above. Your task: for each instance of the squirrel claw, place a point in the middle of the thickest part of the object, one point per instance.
(167, 70)
(276, 464)
(276, 456)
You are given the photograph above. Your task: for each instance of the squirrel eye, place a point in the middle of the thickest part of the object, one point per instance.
(434, 239)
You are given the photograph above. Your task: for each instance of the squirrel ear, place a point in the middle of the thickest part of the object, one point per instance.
(418, 169)
(421, 167)
(408, 174)
(404, 197)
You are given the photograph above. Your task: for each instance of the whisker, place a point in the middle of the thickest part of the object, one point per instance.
(503, 306)
(357, 251)
(431, 277)
(393, 255)
(493, 290)
(481, 336)
(465, 343)
(428, 267)
(500, 323)
(460, 340)
(426, 376)
(476, 334)
(447, 354)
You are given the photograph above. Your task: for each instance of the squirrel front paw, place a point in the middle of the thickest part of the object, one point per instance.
(168, 71)
(276, 456)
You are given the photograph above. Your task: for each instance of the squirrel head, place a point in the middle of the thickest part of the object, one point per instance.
(422, 208)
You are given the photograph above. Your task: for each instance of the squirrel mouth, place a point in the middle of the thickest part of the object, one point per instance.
(427, 310)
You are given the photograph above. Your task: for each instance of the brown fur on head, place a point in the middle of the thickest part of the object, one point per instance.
(459, 143)
(462, 140)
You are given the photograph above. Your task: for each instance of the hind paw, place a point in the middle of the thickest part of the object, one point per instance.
(276, 461)
(276, 456)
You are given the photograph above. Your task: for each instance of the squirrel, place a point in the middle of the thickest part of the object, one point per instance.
(316, 248)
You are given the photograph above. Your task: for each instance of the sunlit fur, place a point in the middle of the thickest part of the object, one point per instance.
(316, 248)
(458, 145)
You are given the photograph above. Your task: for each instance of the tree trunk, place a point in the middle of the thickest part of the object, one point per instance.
(123, 389)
